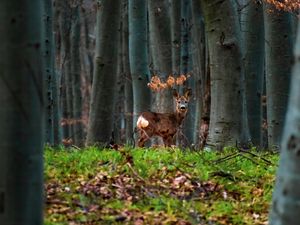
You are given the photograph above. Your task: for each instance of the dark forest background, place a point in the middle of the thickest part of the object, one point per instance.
(79, 72)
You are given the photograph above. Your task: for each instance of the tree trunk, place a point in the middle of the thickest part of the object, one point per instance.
(253, 29)
(138, 57)
(86, 51)
(185, 35)
(161, 50)
(278, 50)
(48, 48)
(223, 34)
(198, 54)
(76, 77)
(119, 106)
(104, 81)
(22, 113)
(128, 92)
(56, 91)
(175, 35)
(66, 81)
(186, 68)
(286, 196)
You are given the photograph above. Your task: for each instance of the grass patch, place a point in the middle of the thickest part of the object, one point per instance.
(157, 186)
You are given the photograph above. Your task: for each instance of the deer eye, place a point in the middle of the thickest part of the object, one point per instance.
(185, 102)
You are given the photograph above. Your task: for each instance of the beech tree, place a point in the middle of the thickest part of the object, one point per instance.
(224, 43)
(175, 35)
(138, 56)
(286, 197)
(104, 80)
(53, 131)
(76, 77)
(66, 100)
(253, 33)
(128, 92)
(198, 52)
(161, 51)
(49, 67)
(278, 59)
(22, 112)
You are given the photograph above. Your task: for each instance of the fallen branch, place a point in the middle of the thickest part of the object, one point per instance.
(243, 153)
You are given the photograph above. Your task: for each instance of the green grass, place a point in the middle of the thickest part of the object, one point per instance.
(157, 186)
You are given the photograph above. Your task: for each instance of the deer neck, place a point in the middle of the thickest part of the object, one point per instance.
(179, 117)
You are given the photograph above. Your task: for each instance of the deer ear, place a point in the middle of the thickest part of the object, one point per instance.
(175, 93)
(188, 93)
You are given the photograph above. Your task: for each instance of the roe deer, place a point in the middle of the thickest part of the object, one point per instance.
(164, 125)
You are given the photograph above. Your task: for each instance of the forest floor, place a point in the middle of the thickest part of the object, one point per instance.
(158, 186)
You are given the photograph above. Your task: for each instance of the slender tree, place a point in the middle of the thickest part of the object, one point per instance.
(278, 50)
(197, 52)
(224, 42)
(57, 98)
(286, 197)
(186, 67)
(48, 47)
(104, 80)
(53, 131)
(119, 104)
(22, 112)
(128, 92)
(65, 17)
(87, 17)
(253, 33)
(76, 77)
(138, 56)
(185, 36)
(175, 35)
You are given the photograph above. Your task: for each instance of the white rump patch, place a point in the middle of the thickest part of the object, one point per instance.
(142, 122)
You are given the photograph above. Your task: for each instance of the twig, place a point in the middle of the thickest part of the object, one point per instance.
(59, 202)
(226, 157)
(247, 157)
(76, 147)
(142, 179)
(134, 172)
(251, 153)
(243, 153)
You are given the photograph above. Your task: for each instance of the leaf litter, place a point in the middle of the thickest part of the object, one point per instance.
(172, 189)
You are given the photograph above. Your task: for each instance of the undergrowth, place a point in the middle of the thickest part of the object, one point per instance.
(157, 186)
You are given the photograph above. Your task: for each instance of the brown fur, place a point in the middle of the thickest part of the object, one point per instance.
(164, 125)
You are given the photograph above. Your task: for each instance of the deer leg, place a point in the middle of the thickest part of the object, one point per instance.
(168, 141)
(143, 138)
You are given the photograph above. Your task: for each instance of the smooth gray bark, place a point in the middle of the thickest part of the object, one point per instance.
(224, 42)
(138, 57)
(128, 92)
(186, 65)
(278, 60)
(76, 77)
(286, 197)
(184, 36)
(253, 33)
(161, 50)
(22, 113)
(198, 54)
(104, 81)
(52, 115)
(66, 80)
(175, 35)
(57, 98)
(48, 48)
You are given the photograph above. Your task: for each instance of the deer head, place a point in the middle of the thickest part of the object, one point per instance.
(181, 102)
